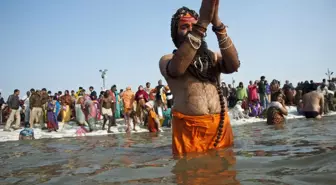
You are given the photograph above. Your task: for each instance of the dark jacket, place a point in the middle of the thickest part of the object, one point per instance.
(44, 98)
(13, 102)
(35, 101)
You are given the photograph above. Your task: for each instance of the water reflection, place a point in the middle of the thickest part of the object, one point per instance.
(213, 167)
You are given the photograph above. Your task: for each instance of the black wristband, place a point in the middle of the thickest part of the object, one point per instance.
(219, 28)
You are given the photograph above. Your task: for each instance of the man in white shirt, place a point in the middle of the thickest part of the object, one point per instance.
(26, 106)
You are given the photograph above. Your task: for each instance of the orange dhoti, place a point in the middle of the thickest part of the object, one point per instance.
(198, 133)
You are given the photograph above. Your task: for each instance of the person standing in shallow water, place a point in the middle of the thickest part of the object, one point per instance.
(107, 111)
(200, 119)
(313, 105)
(277, 109)
(128, 100)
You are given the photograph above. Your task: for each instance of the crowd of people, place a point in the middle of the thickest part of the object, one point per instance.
(269, 100)
(149, 107)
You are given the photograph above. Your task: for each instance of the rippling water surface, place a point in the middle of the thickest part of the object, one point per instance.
(303, 152)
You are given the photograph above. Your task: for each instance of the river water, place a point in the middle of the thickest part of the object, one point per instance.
(303, 152)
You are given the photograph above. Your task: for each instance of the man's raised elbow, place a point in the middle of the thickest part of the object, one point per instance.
(231, 66)
(231, 69)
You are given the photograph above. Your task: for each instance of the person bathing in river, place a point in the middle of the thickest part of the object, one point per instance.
(313, 105)
(106, 108)
(153, 119)
(200, 118)
(276, 109)
(27, 133)
(255, 109)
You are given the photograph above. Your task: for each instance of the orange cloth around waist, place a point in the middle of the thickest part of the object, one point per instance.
(198, 133)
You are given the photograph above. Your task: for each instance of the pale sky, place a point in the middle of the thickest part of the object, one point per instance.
(62, 44)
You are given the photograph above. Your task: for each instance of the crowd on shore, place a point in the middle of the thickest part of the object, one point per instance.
(151, 107)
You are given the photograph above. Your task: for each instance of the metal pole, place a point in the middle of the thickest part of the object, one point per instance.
(104, 82)
(103, 73)
(329, 74)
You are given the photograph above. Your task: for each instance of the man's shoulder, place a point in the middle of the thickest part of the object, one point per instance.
(163, 63)
(165, 58)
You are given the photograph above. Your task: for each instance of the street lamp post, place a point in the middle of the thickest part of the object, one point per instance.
(329, 73)
(233, 82)
(103, 75)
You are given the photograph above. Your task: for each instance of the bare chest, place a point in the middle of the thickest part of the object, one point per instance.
(193, 97)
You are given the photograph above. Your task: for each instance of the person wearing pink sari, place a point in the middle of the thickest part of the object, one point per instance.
(252, 91)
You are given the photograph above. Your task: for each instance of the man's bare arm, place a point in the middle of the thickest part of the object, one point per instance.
(227, 59)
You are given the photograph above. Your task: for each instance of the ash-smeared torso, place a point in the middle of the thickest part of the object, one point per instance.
(191, 96)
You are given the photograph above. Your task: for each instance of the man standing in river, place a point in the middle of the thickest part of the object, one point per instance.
(313, 105)
(200, 119)
(107, 110)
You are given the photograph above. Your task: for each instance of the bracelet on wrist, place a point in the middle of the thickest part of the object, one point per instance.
(200, 27)
(219, 29)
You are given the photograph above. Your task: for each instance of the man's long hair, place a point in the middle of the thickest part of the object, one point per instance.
(175, 20)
